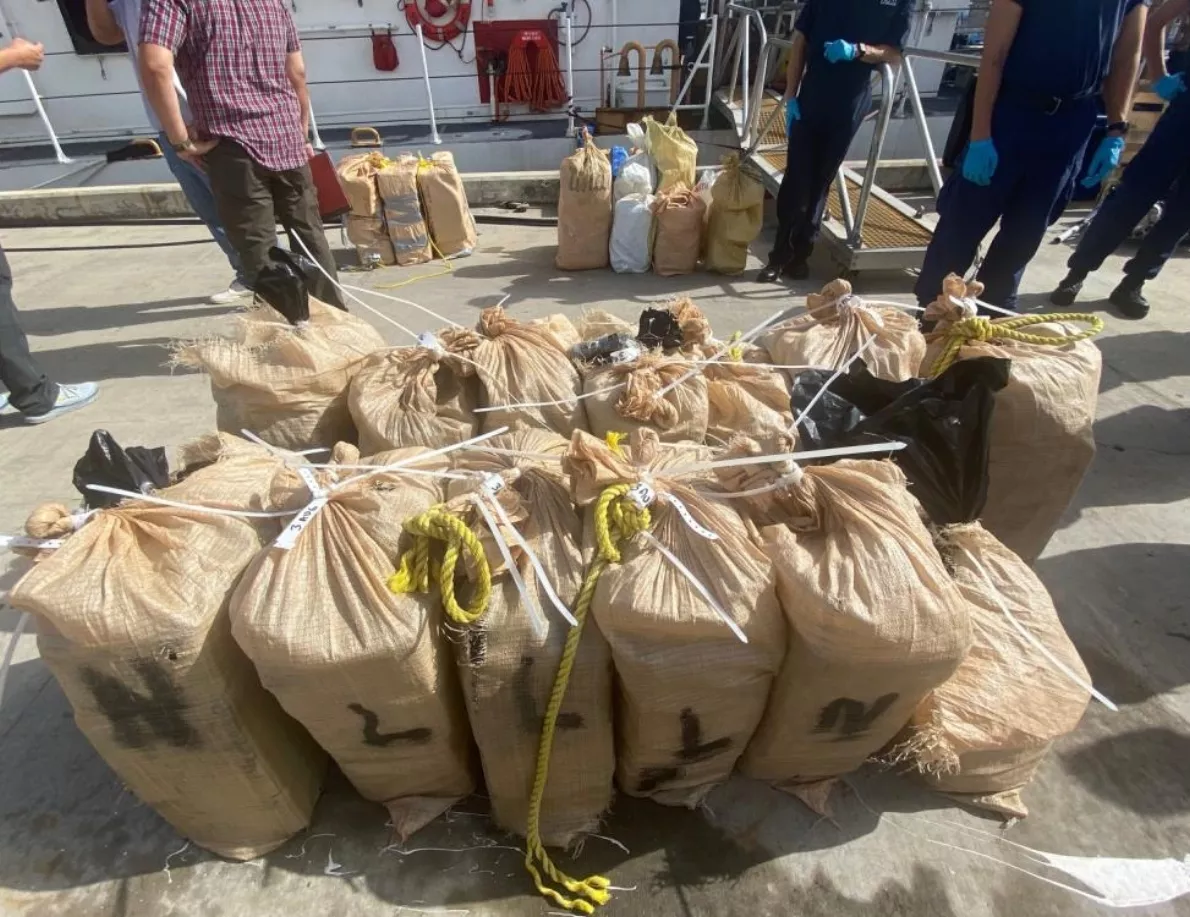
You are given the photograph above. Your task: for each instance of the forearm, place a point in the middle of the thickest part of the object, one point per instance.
(102, 23)
(7, 60)
(303, 94)
(1155, 31)
(797, 66)
(987, 91)
(158, 83)
(880, 54)
(1121, 78)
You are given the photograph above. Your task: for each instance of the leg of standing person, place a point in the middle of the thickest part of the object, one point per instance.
(296, 203)
(793, 198)
(833, 142)
(245, 204)
(1156, 249)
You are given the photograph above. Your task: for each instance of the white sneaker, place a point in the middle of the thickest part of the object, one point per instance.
(70, 398)
(232, 294)
(3, 402)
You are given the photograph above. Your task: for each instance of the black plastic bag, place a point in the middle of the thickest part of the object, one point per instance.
(317, 283)
(659, 328)
(282, 284)
(137, 468)
(944, 422)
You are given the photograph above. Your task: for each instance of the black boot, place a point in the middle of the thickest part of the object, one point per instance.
(1129, 299)
(1068, 289)
(771, 273)
(797, 270)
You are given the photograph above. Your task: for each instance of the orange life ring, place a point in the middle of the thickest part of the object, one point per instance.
(442, 31)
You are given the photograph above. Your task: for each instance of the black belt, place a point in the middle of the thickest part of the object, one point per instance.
(1046, 104)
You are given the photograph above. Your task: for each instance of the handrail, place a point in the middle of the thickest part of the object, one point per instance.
(753, 96)
(878, 136)
(946, 57)
(918, 110)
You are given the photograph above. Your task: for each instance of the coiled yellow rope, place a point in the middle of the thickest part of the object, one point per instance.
(616, 521)
(414, 573)
(981, 328)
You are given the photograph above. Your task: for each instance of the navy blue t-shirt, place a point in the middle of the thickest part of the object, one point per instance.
(842, 91)
(1064, 48)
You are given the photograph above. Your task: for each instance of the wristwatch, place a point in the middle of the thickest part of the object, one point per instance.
(183, 147)
(1119, 127)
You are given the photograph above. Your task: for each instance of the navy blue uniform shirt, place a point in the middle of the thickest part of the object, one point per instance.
(842, 91)
(1063, 48)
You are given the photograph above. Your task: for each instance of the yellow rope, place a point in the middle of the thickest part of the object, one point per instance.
(613, 440)
(413, 575)
(981, 328)
(736, 351)
(616, 521)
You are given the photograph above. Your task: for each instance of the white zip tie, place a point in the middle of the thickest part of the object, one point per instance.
(537, 617)
(811, 455)
(11, 542)
(686, 516)
(516, 453)
(193, 507)
(549, 404)
(404, 302)
(792, 479)
(448, 475)
(805, 412)
(277, 450)
(694, 581)
(743, 339)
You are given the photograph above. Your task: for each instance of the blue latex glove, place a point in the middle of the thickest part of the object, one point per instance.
(840, 50)
(1107, 157)
(793, 112)
(981, 162)
(1170, 86)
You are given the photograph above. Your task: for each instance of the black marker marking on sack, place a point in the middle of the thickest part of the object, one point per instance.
(141, 720)
(852, 718)
(376, 739)
(530, 716)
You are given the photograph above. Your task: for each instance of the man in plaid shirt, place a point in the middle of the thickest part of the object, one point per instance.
(241, 65)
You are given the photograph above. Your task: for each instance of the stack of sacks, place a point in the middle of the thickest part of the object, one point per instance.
(838, 325)
(132, 620)
(398, 187)
(875, 621)
(418, 396)
(286, 384)
(1042, 433)
(366, 228)
(680, 587)
(735, 218)
(585, 209)
(367, 671)
(445, 201)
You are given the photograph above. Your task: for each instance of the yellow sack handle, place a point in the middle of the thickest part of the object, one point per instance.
(413, 575)
(616, 520)
(981, 328)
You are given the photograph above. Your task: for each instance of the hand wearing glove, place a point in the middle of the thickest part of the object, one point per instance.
(1170, 86)
(793, 112)
(981, 162)
(1107, 157)
(840, 50)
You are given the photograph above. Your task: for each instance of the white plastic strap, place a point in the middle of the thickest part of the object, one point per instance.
(809, 455)
(306, 473)
(284, 453)
(537, 618)
(430, 341)
(642, 495)
(792, 479)
(208, 510)
(405, 302)
(41, 544)
(549, 404)
(694, 581)
(289, 538)
(688, 517)
(726, 348)
(818, 395)
(425, 456)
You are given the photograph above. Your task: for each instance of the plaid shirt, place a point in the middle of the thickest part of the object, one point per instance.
(230, 56)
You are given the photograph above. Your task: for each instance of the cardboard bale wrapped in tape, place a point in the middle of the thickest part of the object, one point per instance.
(585, 209)
(367, 671)
(132, 620)
(285, 383)
(447, 212)
(365, 225)
(686, 600)
(370, 237)
(397, 186)
(1042, 436)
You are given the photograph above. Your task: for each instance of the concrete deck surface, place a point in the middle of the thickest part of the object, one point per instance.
(103, 303)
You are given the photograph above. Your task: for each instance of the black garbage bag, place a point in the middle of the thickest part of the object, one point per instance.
(659, 328)
(317, 283)
(944, 422)
(283, 285)
(136, 468)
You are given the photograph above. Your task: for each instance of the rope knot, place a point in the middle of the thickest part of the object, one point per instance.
(416, 567)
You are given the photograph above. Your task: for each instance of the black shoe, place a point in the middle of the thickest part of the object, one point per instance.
(797, 270)
(771, 273)
(1068, 289)
(1129, 299)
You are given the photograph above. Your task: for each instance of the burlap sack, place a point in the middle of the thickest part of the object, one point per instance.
(528, 362)
(744, 398)
(417, 396)
(132, 621)
(445, 201)
(357, 175)
(837, 325)
(673, 152)
(876, 622)
(623, 397)
(690, 692)
(585, 209)
(983, 734)
(397, 184)
(696, 327)
(735, 219)
(369, 235)
(287, 384)
(508, 665)
(368, 672)
(679, 219)
(1043, 438)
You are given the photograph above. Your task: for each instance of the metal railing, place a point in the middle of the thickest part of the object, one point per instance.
(888, 98)
(915, 104)
(741, 45)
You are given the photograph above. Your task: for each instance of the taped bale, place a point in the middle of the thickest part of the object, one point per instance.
(397, 185)
(528, 363)
(875, 622)
(1042, 437)
(132, 620)
(624, 397)
(735, 218)
(369, 235)
(357, 175)
(680, 218)
(447, 212)
(287, 384)
(690, 691)
(418, 396)
(367, 671)
(585, 209)
(508, 659)
(745, 397)
(673, 152)
(838, 325)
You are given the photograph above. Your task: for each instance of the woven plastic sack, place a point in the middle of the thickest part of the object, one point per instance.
(632, 234)
(743, 397)
(1042, 440)
(132, 621)
(837, 325)
(585, 209)
(357, 175)
(673, 152)
(983, 734)
(417, 396)
(528, 362)
(876, 622)
(735, 219)
(286, 384)
(367, 671)
(680, 217)
(624, 397)
(397, 184)
(445, 201)
(636, 177)
(369, 235)
(508, 659)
